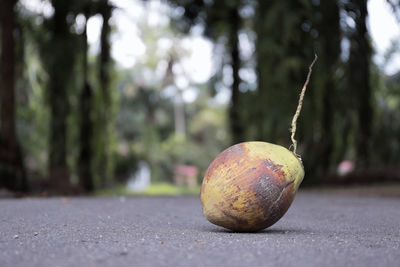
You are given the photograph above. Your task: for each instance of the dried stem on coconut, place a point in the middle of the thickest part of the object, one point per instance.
(299, 106)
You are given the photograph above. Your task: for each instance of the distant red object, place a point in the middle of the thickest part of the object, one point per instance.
(345, 167)
(185, 175)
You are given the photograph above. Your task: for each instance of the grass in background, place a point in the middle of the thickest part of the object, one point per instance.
(158, 189)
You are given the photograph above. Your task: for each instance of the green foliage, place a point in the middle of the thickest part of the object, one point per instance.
(350, 102)
(152, 137)
(386, 123)
(281, 57)
(33, 115)
(157, 189)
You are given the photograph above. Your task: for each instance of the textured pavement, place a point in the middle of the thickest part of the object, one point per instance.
(318, 230)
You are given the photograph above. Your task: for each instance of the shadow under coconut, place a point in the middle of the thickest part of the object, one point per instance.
(268, 231)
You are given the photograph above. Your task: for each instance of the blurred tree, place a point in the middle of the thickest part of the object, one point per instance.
(97, 115)
(281, 59)
(222, 23)
(12, 172)
(326, 21)
(86, 123)
(387, 123)
(59, 54)
(105, 123)
(235, 120)
(358, 77)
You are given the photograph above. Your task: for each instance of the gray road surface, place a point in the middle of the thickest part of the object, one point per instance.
(318, 230)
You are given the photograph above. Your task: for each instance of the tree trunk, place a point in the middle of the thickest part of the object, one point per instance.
(179, 114)
(59, 64)
(236, 126)
(59, 54)
(359, 79)
(12, 173)
(86, 125)
(262, 90)
(59, 109)
(281, 67)
(329, 38)
(104, 78)
(105, 58)
(365, 96)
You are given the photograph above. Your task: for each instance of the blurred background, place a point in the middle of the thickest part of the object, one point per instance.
(129, 96)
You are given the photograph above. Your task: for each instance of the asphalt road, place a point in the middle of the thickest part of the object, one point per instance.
(318, 230)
